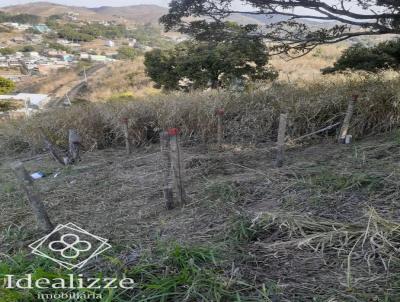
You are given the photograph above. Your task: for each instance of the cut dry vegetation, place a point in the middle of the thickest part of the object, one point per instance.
(323, 228)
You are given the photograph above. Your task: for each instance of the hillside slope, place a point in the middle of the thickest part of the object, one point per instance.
(139, 14)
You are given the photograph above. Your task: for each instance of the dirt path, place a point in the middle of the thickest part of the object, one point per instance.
(72, 89)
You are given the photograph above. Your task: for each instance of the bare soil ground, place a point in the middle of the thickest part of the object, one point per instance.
(237, 195)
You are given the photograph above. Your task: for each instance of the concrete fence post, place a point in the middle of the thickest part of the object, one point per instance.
(346, 122)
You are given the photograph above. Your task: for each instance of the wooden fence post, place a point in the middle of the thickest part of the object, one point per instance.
(166, 168)
(28, 187)
(125, 127)
(177, 165)
(74, 144)
(347, 119)
(220, 113)
(52, 149)
(281, 140)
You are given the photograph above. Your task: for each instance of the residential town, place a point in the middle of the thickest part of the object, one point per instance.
(31, 63)
(36, 48)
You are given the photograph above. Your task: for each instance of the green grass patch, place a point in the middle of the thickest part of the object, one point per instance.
(225, 192)
(330, 182)
(169, 273)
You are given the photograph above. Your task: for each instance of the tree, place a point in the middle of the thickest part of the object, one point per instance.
(7, 51)
(212, 59)
(20, 18)
(126, 53)
(58, 46)
(160, 68)
(359, 57)
(351, 18)
(6, 85)
(28, 48)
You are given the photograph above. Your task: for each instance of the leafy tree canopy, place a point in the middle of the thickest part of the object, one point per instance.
(212, 60)
(7, 51)
(58, 46)
(360, 57)
(6, 85)
(285, 19)
(20, 18)
(27, 48)
(126, 53)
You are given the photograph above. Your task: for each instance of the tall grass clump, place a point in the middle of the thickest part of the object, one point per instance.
(250, 116)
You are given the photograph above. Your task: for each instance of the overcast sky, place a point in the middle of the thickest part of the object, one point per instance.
(90, 3)
(238, 4)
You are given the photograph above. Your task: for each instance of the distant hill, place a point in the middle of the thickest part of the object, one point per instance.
(46, 9)
(136, 14)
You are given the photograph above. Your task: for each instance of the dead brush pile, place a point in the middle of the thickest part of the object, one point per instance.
(251, 117)
(334, 261)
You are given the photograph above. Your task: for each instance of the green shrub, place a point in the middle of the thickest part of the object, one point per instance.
(359, 57)
(6, 85)
(7, 51)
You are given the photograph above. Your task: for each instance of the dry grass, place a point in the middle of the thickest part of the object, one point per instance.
(307, 68)
(120, 80)
(361, 258)
(250, 117)
(51, 83)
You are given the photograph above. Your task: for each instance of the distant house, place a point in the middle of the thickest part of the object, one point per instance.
(72, 16)
(56, 53)
(132, 42)
(63, 41)
(84, 56)
(98, 58)
(18, 40)
(35, 38)
(110, 43)
(14, 62)
(42, 28)
(3, 61)
(17, 26)
(34, 54)
(10, 24)
(68, 58)
(32, 100)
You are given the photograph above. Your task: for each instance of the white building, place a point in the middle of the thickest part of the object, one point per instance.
(110, 43)
(34, 54)
(84, 56)
(31, 100)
